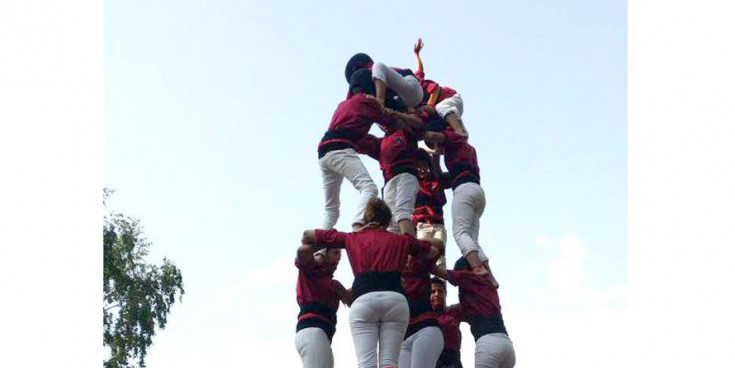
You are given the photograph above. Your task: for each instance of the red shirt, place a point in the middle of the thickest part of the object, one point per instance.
(417, 283)
(374, 249)
(460, 159)
(398, 153)
(430, 86)
(430, 201)
(477, 296)
(449, 323)
(350, 123)
(316, 286)
(370, 145)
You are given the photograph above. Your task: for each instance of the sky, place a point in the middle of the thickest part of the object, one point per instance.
(213, 112)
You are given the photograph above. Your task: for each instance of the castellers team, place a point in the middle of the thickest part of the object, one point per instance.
(398, 313)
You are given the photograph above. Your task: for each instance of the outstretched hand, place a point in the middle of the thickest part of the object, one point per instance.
(418, 46)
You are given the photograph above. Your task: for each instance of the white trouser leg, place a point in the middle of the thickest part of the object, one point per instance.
(378, 317)
(494, 350)
(392, 329)
(422, 349)
(468, 204)
(339, 164)
(437, 231)
(364, 326)
(314, 347)
(450, 105)
(400, 196)
(408, 88)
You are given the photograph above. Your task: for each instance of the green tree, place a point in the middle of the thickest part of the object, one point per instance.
(137, 296)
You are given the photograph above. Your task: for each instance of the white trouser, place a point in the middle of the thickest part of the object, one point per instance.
(378, 317)
(337, 165)
(437, 231)
(468, 204)
(450, 105)
(314, 347)
(494, 350)
(399, 194)
(408, 87)
(422, 349)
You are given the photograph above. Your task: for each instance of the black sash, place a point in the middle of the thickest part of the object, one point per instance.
(376, 281)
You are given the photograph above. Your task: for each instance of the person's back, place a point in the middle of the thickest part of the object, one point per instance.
(480, 304)
(379, 311)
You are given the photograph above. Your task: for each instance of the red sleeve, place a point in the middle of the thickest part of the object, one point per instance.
(454, 139)
(307, 266)
(428, 263)
(455, 277)
(370, 145)
(417, 247)
(431, 87)
(420, 76)
(330, 238)
(336, 285)
(456, 312)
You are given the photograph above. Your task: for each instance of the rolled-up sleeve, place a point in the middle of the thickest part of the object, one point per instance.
(330, 238)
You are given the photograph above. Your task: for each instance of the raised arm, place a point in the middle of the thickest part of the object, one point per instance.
(305, 253)
(308, 238)
(323, 239)
(417, 50)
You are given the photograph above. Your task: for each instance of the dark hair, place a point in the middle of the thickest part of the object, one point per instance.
(462, 264)
(356, 62)
(438, 281)
(362, 79)
(377, 211)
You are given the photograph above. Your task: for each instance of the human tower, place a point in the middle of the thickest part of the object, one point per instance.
(398, 312)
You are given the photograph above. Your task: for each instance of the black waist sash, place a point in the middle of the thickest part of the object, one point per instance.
(415, 327)
(418, 306)
(449, 358)
(469, 178)
(328, 327)
(376, 281)
(483, 325)
(400, 169)
(345, 139)
(464, 173)
(320, 309)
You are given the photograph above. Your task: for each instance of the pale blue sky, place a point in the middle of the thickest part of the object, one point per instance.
(213, 111)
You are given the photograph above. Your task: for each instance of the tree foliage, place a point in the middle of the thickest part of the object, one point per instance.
(137, 296)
